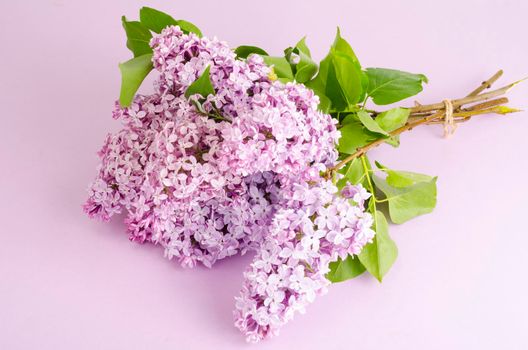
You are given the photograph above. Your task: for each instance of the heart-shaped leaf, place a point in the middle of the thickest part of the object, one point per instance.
(410, 201)
(387, 86)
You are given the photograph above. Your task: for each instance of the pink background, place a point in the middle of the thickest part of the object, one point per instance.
(70, 283)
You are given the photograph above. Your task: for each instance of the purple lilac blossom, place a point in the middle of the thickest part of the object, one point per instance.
(205, 189)
(313, 227)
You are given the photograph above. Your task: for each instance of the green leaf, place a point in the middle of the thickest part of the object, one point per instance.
(138, 37)
(244, 51)
(302, 47)
(370, 124)
(410, 201)
(341, 45)
(306, 68)
(353, 172)
(342, 270)
(348, 73)
(333, 89)
(324, 102)
(188, 27)
(155, 20)
(378, 256)
(393, 118)
(364, 86)
(339, 82)
(387, 86)
(318, 84)
(133, 72)
(354, 135)
(202, 85)
(280, 65)
(402, 178)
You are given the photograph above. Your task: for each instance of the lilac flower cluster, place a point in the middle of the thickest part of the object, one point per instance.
(238, 170)
(312, 227)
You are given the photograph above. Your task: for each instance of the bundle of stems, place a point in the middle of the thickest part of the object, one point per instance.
(477, 102)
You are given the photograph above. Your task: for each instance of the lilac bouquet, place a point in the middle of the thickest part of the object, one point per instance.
(238, 151)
